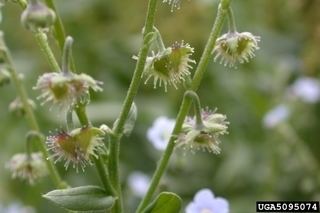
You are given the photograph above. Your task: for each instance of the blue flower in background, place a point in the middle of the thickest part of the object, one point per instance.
(139, 183)
(160, 132)
(306, 89)
(205, 202)
(276, 115)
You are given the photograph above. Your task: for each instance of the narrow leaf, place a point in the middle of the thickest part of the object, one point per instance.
(167, 202)
(83, 198)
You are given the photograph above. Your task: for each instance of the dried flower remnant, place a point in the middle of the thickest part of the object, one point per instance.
(205, 202)
(29, 168)
(206, 136)
(76, 147)
(169, 67)
(65, 89)
(234, 47)
(160, 131)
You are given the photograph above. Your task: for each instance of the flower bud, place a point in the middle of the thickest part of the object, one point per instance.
(5, 77)
(16, 107)
(29, 168)
(37, 16)
(77, 146)
(234, 47)
(65, 89)
(170, 66)
(205, 137)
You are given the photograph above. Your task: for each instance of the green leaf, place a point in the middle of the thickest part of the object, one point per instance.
(83, 198)
(166, 202)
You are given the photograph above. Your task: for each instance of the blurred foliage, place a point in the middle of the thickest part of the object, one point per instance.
(255, 164)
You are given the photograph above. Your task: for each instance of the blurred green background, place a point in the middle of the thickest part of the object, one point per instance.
(256, 163)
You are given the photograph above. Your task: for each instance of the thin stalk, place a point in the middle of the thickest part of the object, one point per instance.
(232, 22)
(67, 54)
(80, 108)
(197, 106)
(104, 176)
(99, 163)
(186, 103)
(132, 91)
(31, 119)
(46, 50)
(159, 40)
(59, 31)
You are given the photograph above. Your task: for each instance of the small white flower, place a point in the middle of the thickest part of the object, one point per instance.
(275, 116)
(205, 202)
(160, 132)
(139, 183)
(307, 89)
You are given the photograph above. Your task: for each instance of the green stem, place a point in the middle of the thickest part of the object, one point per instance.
(113, 167)
(46, 50)
(186, 103)
(69, 119)
(132, 91)
(159, 40)
(104, 175)
(197, 106)
(67, 54)
(32, 120)
(59, 31)
(232, 22)
(80, 110)
(99, 163)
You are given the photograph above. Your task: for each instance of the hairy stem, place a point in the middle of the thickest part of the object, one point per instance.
(32, 120)
(197, 106)
(46, 50)
(232, 22)
(59, 31)
(186, 103)
(132, 91)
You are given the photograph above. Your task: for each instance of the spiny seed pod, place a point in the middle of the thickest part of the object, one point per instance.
(37, 16)
(65, 89)
(77, 146)
(205, 137)
(169, 67)
(234, 47)
(17, 108)
(29, 168)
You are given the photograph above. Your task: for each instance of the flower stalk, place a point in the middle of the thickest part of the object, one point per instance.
(186, 103)
(31, 119)
(42, 41)
(113, 164)
(197, 107)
